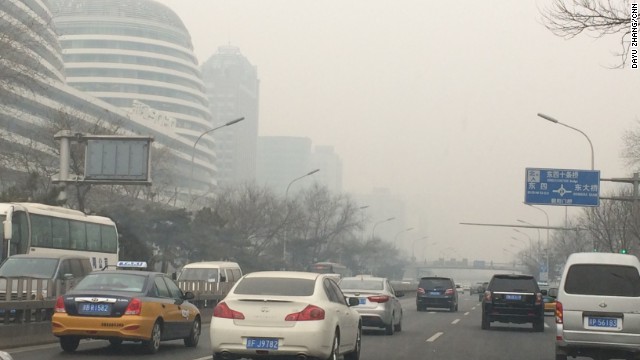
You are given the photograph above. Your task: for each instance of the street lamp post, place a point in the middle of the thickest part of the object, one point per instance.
(395, 238)
(515, 238)
(527, 235)
(413, 247)
(373, 231)
(530, 224)
(193, 152)
(284, 235)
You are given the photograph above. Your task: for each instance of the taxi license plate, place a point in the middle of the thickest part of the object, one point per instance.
(362, 301)
(94, 309)
(434, 293)
(262, 343)
(593, 322)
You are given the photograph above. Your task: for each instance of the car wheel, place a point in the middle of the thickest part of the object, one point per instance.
(69, 343)
(486, 324)
(115, 342)
(335, 349)
(153, 344)
(194, 336)
(389, 329)
(398, 327)
(538, 325)
(355, 354)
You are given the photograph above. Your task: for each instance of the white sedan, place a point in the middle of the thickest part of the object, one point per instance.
(286, 313)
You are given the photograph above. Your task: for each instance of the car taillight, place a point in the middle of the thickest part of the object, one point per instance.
(559, 313)
(379, 298)
(59, 308)
(487, 295)
(420, 291)
(538, 299)
(448, 292)
(311, 312)
(134, 307)
(222, 310)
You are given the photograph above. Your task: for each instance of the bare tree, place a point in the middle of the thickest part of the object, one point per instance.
(598, 18)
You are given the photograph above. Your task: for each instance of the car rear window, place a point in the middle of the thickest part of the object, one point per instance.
(357, 284)
(602, 279)
(199, 274)
(112, 282)
(275, 286)
(436, 284)
(514, 284)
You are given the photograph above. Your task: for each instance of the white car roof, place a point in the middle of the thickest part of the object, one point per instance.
(603, 258)
(286, 274)
(210, 264)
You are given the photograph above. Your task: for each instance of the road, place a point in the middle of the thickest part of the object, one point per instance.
(426, 335)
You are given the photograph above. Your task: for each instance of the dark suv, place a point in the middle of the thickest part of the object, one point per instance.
(438, 292)
(513, 298)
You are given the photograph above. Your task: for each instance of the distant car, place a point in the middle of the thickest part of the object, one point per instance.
(512, 298)
(378, 305)
(436, 292)
(286, 314)
(126, 305)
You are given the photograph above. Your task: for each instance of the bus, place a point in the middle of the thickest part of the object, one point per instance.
(32, 228)
(330, 268)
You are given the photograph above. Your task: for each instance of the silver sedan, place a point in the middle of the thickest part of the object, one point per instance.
(378, 304)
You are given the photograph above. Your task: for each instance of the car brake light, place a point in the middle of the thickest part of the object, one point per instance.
(420, 291)
(538, 299)
(134, 307)
(222, 310)
(311, 312)
(59, 308)
(559, 313)
(448, 292)
(487, 295)
(379, 298)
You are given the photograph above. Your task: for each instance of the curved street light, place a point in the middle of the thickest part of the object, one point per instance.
(515, 238)
(193, 152)
(284, 235)
(373, 231)
(527, 235)
(549, 118)
(395, 238)
(530, 224)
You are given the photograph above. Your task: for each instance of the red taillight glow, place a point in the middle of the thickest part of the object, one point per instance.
(222, 310)
(379, 298)
(538, 299)
(559, 313)
(59, 308)
(311, 312)
(448, 292)
(420, 291)
(134, 307)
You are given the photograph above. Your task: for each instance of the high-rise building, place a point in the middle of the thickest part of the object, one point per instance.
(34, 95)
(282, 159)
(137, 55)
(325, 158)
(232, 87)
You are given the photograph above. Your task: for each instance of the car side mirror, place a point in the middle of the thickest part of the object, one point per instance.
(553, 292)
(188, 295)
(353, 301)
(67, 276)
(399, 293)
(543, 292)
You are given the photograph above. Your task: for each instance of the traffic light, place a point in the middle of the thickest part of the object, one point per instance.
(623, 251)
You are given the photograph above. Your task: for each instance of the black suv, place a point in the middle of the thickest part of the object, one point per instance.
(439, 292)
(513, 298)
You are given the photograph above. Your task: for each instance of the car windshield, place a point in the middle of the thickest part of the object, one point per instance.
(613, 280)
(105, 281)
(275, 286)
(30, 267)
(361, 284)
(210, 275)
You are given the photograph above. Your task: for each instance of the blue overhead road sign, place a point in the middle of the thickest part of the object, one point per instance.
(564, 187)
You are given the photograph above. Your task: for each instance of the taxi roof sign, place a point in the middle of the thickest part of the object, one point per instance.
(132, 264)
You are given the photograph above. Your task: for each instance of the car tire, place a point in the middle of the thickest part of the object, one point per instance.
(69, 343)
(335, 348)
(355, 354)
(194, 336)
(486, 324)
(115, 342)
(538, 325)
(152, 345)
(398, 327)
(389, 329)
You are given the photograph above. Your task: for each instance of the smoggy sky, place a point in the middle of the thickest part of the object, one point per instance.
(434, 100)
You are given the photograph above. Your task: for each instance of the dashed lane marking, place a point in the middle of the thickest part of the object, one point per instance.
(455, 321)
(467, 313)
(434, 337)
(545, 325)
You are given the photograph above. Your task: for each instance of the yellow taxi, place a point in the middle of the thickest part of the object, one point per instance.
(126, 305)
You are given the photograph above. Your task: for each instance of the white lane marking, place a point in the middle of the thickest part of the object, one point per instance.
(467, 313)
(545, 325)
(434, 337)
(473, 308)
(455, 321)
(204, 358)
(431, 312)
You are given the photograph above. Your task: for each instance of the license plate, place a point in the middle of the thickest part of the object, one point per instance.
(94, 309)
(513, 297)
(603, 323)
(434, 293)
(362, 301)
(262, 343)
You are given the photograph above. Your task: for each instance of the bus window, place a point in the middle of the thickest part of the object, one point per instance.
(41, 230)
(77, 236)
(60, 233)
(109, 238)
(93, 237)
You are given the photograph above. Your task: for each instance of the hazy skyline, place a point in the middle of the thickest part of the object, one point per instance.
(435, 101)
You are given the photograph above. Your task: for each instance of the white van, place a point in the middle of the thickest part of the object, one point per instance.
(597, 306)
(211, 271)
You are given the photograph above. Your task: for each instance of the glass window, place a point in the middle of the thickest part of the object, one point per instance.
(30, 267)
(514, 283)
(161, 287)
(175, 291)
(275, 286)
(77, 235)
(112, 281)
(361, 284)
(338, 293)
(237, 274)
(41, 230)
(109, 239)
(93, 237)
(210, 275)
(436, 283)
(60, 232)
(606, 280)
